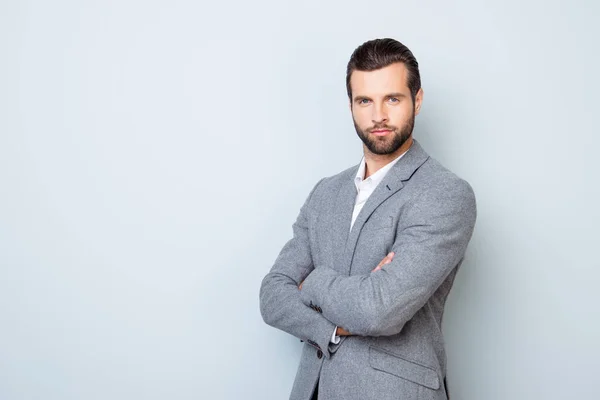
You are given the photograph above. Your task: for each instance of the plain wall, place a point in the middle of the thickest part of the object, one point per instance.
(154, 155)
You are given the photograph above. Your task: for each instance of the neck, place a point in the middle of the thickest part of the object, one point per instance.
(374, 162)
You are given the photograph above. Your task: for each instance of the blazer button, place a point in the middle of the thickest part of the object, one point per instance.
(319, 354)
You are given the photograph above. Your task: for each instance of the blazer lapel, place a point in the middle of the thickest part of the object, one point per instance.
(342, 215)
(392, 183)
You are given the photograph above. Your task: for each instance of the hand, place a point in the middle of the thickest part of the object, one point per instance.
(342, 332)
(386, 260)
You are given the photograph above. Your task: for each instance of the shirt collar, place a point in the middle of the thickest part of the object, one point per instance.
(375, 178)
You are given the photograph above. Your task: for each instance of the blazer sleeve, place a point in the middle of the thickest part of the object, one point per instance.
(280, 303)
(427, 248)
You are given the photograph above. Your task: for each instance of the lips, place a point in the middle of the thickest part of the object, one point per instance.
(380, 132)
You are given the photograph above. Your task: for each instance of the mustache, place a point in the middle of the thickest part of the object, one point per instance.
(380, 127)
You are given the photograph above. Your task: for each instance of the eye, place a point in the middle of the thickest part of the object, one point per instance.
(363, 101)
(394, 99)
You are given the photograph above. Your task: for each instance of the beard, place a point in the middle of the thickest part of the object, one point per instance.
(390, 143)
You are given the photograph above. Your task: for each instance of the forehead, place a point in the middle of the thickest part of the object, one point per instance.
(392, 78)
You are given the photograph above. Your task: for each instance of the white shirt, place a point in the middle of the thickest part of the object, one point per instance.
(364, 189)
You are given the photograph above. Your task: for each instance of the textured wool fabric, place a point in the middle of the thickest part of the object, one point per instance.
(422, 212)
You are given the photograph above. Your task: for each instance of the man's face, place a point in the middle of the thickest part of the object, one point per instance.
(382, 108)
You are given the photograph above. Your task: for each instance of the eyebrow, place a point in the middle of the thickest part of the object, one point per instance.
(395, 94)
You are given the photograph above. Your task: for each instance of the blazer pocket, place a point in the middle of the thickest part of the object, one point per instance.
(383, 360)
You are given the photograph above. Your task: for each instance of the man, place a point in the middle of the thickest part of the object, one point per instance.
(375, 250)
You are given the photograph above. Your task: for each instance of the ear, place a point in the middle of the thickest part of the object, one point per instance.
(418, 101)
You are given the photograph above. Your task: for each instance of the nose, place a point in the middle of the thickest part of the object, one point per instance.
(379, 114)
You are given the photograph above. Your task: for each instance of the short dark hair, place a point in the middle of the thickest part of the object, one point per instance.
(379, 53)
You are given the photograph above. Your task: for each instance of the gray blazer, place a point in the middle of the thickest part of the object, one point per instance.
(422, 212)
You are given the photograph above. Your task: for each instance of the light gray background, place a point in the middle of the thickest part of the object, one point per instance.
(153, 156)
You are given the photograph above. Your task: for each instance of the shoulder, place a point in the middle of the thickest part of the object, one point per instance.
(330, 185)
(438, 187)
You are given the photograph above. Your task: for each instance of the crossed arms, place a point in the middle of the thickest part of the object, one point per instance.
(425, 251)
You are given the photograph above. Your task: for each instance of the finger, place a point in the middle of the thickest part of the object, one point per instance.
(381, 265)
(388, 259)
(385, 259)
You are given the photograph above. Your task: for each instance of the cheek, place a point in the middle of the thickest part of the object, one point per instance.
(362, 118)
(400, 116)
